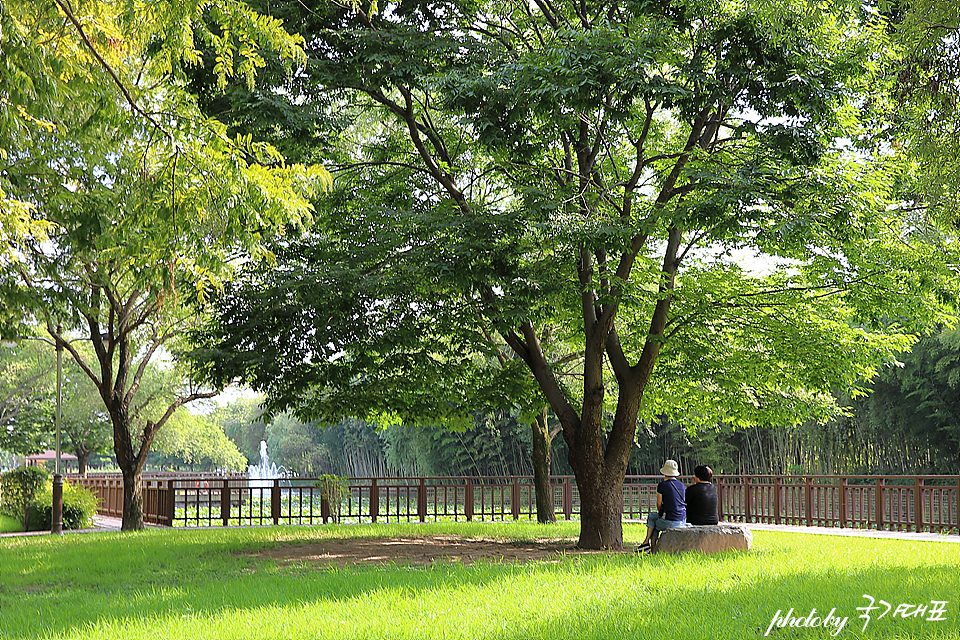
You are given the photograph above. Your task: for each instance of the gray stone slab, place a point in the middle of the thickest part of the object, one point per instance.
(706, 539)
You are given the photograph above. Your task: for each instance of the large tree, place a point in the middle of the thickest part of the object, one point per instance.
(122, 204)
(26, 396)
(28, 388)
(575, 180)
(921, 107)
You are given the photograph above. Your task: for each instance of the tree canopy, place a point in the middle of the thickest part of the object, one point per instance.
(573, 181)
(922, 105)
(122, 203)
(25, 396)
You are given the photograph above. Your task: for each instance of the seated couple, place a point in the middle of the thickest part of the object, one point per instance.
(679, 506)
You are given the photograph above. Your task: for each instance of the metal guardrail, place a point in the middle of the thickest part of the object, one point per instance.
(916, 503)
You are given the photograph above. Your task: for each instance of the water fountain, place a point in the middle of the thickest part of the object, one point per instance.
(262, 475)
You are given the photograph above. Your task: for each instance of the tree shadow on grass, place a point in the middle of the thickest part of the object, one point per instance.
(186, 583)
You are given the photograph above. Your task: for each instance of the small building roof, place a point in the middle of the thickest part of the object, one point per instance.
(50, 454)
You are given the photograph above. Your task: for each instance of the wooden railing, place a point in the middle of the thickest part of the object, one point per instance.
(900, 503)
(915, 503)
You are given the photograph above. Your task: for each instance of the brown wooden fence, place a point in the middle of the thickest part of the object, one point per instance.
(914, 503)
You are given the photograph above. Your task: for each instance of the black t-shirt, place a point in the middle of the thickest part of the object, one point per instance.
(702, 503)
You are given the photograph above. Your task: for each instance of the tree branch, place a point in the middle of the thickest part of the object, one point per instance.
(106, 67)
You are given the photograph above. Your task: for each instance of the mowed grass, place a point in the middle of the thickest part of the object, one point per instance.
(9, 525)
(177, 584)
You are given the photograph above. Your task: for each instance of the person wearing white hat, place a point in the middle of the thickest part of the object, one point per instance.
(671, 506)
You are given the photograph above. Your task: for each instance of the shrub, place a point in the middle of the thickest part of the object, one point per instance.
(333, 489)
(79, 507)
(18, 488)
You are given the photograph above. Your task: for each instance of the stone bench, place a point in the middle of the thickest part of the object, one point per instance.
(705, 538)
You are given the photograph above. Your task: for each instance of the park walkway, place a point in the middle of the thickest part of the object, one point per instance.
(100, 524)
(860, 533)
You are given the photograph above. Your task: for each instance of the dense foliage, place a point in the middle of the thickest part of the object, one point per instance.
(79, 507)
(18, 488)
(192, 442)
(120, 203)
(556, 193)
(25, 397)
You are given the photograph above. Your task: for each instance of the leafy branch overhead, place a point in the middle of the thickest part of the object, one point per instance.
(660, 208)
(125, 206)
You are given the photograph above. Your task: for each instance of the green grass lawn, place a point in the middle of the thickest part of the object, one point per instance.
(9, 525)
(173, 584)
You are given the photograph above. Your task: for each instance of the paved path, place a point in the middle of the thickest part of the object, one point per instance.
(100, 523)
(853, 533)
(860, 533)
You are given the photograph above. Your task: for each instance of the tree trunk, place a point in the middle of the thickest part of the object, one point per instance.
(132, 501)
(601, 511)
(541, 468)
(599, 459)
(130, 462)
(82, 457)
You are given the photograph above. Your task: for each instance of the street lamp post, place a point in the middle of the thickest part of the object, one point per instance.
(56, 517)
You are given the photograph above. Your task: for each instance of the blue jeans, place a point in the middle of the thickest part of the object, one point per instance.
(658, 523)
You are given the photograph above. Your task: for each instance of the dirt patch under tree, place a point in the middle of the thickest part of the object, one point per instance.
(421, 550)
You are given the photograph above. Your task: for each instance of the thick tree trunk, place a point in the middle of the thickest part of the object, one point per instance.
(601, 511)
(132, 501)
(131, 467)
(599, 461)
(82, 457)
(599, 477)
(541, 468)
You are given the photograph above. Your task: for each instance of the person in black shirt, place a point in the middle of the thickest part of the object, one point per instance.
(701, 498)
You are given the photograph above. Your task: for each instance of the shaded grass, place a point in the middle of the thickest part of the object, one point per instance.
(9, 525)
(204, 584)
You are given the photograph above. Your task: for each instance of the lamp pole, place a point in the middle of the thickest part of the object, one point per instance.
(56, 517)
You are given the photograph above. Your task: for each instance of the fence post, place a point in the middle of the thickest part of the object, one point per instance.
(468, 499)
(515, 499)
(843, 501)
(422, 500)
(275, 501)
(374, 500)
(878, 504)
(720, 490)
(808, 499)
(918, 504)
(567, 498)
(747, 498)
(170, 504)
(225, 502)
(777, 486)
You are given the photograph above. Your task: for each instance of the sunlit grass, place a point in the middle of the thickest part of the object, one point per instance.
(9, 525)
(206, 584)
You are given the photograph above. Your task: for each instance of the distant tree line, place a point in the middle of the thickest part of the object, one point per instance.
(909, 423)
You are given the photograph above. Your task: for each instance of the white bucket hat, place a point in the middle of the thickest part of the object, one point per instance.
(670, 468)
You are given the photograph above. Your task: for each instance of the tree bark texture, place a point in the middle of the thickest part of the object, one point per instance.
(601, 511)
(132, 501)
(541, 468)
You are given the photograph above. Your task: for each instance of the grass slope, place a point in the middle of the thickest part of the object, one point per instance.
(175, 584)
